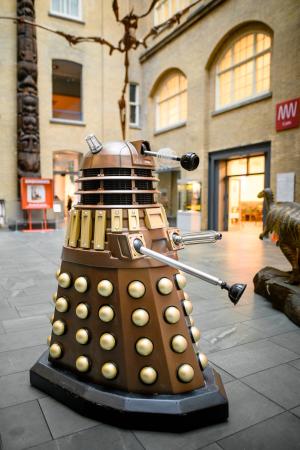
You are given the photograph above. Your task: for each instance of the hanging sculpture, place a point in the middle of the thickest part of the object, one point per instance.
(128, 42)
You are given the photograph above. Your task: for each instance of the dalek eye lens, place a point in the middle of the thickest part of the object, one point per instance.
(165, 286)
(148, 375)
(105, 288)
(136, 289)
(109, 371)
(180, 281)
(140, 317)
(106, 313)
(64, 280)
(61, 305)
(81, 284)
(185, 373)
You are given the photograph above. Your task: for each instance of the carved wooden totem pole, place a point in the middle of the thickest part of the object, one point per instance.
(28, 139)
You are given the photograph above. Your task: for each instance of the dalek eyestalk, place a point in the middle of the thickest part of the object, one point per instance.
(202, 237)
(189, 161)
(234, 292)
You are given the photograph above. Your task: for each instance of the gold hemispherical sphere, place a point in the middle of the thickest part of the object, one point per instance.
(180, 281)
(48, 340)
(107, 341)
(82, 364)
(82, 336)
(51, 319)
(179, 343)
(140, 317)
(172, 314)
(136, 289)
(61, 305)
(165, 286)
(58, 327)
(195, 333)
(203, 361)
(64, 280)
(109, 370)
(57, 273)
(81, 284)
(185, 373)
(192, 322)
(106, 313)
(55, 351)
(187, 306)
(54, 297)
(105, 288)
(82, 311)
(186, 296)
(148, 375)
(144, 347)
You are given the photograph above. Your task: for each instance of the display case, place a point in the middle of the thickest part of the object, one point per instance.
(189, 205)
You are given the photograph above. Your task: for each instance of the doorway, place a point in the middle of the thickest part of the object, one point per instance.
(236, 176)
(65, 171)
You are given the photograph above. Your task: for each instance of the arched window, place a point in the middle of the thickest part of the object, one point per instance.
(171, 101)
(66, 90)
(243, 72)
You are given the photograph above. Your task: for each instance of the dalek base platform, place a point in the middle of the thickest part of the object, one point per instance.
(175, 413)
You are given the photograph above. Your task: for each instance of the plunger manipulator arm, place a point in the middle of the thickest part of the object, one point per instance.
(234, 292)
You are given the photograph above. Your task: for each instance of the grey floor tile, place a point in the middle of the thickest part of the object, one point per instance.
(213, 446)
(249, 358)
(100, 437)
(278, 433)
(288, 340)
(295, 363)
(247, 408)
(229, 336)
(16, 388)
(226, 378)
(26, 323)
(270, 326)
(34, 310)
(280, 384)
(62, 420)
(296, 411)
(257, 309)
(23, 339)
(19, 360)
(8, 311)
(218, 318)
(23, 426)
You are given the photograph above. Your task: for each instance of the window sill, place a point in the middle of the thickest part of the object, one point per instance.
(135, 127)
(68, 122)
(242, 103)
(64, 17)
(170, 128)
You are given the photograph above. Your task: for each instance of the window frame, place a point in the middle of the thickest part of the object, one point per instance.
(61, 119)
(180, 122)
(170, 14)
(136, 104)
(255, 95)
(61, 15)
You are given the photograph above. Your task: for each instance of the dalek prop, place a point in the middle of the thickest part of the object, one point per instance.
(124, 347)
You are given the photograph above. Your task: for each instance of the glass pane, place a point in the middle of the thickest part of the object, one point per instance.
(173, 110)
(182, 82)
(263, 42)
(225, 61)
(256, 164)
(243, 81)
(133, 114)
(66, 90)
(74, 8)
(225, 89)
(263, 72)
(243, 48)
(55, 6)
(183, 106)
(132, 93)
(237, 166)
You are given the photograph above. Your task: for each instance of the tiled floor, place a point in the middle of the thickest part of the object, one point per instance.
(255, 348)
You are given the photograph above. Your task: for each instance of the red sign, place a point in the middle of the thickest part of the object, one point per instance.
(36, 193)
(288, 114)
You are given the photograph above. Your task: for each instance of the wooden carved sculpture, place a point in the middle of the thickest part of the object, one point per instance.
(284, 220)
(128, 42)
(28, 138)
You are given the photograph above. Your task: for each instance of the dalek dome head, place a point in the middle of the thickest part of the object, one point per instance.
(117, 174)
